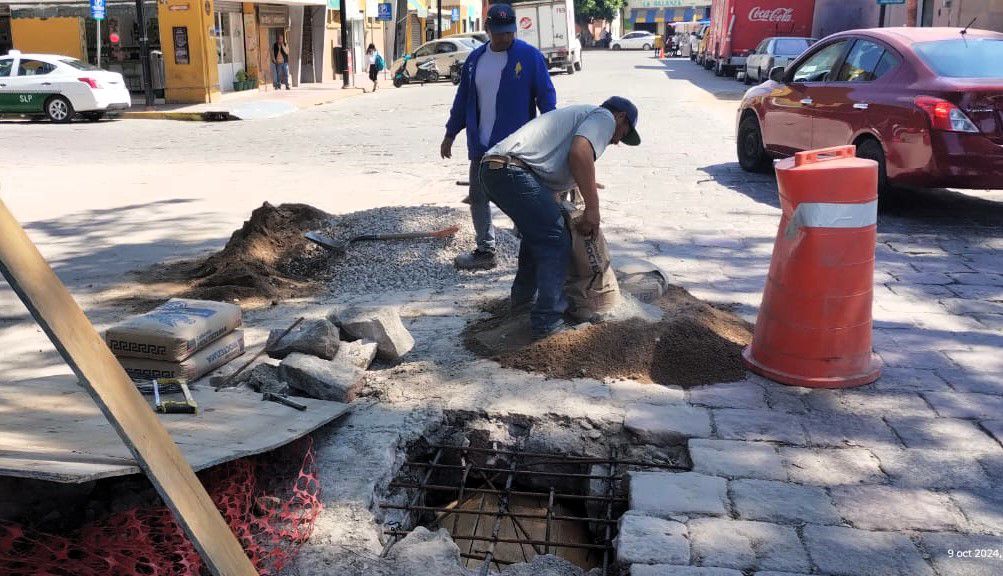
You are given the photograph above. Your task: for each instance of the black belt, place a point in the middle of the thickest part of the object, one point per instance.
(496, 162)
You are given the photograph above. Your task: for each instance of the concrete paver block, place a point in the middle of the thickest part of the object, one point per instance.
(918, 468)
(648, 540)
(380, 324)
(896, 509)
(746, 394)
(736, 424)
(910, 380)
(669, 570)
(961, 405)
(852, 552)
(984, 509)
(736, 459)
(630, 392)
(667, 424)
(955, 554)
(781, 502)
(943, 434)
(995, 428)
(335, 380)
(831, 466)
(746, 545)
(976, 382)
(837, 430)
(666, 494)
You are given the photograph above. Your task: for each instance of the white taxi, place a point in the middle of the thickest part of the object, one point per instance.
(58, 87)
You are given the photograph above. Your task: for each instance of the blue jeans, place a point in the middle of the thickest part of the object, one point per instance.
(546, 244)
(280, 74)
(480, 211)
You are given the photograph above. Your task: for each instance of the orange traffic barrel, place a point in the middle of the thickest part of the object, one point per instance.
(814, 325)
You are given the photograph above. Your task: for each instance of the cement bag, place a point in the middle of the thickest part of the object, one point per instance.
(591, 286)
(174, 330)
(192, 368)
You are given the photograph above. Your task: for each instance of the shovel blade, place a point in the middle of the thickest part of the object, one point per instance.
(324, 242)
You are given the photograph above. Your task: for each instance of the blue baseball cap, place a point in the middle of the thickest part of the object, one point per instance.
(501, 19)
(621, 104)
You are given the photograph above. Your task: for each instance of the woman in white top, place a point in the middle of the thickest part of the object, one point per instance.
(376, 64)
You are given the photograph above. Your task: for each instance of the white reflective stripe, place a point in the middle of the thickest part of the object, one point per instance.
(831, 215)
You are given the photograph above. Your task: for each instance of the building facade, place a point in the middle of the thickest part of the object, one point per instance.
(652, 15)
(833, 16)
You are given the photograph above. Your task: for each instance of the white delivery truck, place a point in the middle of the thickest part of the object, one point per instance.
(549, 25)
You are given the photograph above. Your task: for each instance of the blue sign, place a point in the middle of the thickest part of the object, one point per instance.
(889, 2)
(97, 9)
(384, 11)
(455, 16)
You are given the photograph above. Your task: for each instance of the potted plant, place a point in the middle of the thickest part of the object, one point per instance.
(240, 81)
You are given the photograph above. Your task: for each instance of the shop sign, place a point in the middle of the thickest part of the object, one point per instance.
(455, 14)
(635, 4)
(179, 7)
(97, 9)
(180, 37)
(273, 16)
(385, 11)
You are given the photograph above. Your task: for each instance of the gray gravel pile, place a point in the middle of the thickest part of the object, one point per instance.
(399, 265)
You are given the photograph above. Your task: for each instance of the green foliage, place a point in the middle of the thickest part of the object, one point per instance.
(589, 10)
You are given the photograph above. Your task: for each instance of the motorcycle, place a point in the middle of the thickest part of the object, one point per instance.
(427, 73)
(455, 72)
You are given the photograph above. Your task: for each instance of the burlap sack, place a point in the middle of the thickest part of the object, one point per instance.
(591, 287)
(174, 330)
(192, 368)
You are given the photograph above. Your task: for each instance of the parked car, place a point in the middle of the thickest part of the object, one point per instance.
(639, 40)
(695, 40)
(925, 103)
(481, 37)
(773, 52)
(58, 87)
(740, 25)
(442, 53)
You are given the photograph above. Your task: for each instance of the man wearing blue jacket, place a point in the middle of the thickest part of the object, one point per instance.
(503, 84)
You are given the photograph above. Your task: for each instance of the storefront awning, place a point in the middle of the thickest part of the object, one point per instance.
(646, 15)
(653, 15)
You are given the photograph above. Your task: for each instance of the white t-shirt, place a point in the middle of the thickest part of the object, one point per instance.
(372, 59)
(489, 71)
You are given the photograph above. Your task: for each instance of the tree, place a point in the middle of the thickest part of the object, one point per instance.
(589, 10)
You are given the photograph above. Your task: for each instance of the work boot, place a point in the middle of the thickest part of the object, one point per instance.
(476, 260)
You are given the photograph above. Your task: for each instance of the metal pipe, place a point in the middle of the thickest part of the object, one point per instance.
(439, 488)
(481, 558)
(518, 541)
(448, 511)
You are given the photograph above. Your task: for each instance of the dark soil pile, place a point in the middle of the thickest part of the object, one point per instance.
(694, 344)
(266, 259)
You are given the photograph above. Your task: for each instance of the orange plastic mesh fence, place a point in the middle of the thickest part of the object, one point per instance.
(271, 513)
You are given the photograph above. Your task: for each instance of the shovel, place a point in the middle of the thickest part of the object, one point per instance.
(340, 247)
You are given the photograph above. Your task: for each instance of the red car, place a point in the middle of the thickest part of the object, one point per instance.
(925, 103)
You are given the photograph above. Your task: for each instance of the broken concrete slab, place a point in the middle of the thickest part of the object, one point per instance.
(262, 378)
(744, 545)
(667, 424)
(736, 459)
(338, 381)
(359, 353)
(380, 324)
(547, 565)
(423, 552)
(897, 509)
(314, 337)
(648, 540)
(852, 552)
(667, 494)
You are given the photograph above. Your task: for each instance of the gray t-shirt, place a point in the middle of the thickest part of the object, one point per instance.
(545, 142)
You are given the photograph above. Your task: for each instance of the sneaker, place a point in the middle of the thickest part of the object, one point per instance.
(476, 260)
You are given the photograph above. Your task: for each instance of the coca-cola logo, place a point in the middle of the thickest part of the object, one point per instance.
(525, 23)
(758, 14)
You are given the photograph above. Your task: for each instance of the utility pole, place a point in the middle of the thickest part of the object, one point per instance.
(911, 8)
(144, 53)
(881, 16)
(438, 20)
(344, 44)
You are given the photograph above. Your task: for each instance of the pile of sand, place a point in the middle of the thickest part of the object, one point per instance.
(693, 344)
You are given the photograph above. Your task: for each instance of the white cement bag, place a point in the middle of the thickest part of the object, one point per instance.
(591, 286)
(192, 368)
(174, 330)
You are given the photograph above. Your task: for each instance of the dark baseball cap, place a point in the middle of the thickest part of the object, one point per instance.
(621, 104)
(501, 19)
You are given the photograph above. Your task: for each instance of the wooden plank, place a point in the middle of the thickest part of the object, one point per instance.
(50, 429)
(58, 314)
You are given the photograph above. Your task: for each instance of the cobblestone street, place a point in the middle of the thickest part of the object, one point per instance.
(898, 478)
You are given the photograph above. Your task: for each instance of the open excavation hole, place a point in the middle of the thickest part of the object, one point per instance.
(507, 506)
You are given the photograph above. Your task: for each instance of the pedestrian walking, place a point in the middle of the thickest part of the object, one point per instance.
(376, 64)
(280, 62)
(502, 85)
(523, 174)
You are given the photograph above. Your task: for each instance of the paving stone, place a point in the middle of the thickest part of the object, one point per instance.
(977, 278)
(980, 359)
(359, 353)
(984, 509)
(787, 398)
(666, 494)
(990, 293)
(995, 428)
(648, 540)
(667, 424)
(380, 324)
(772, 573)
(731, 395)
(962, 405)
(314, 337)
(831, 467)
(668, 570)
(629, 392)
(891, 508)
(782, 502)
(910, 380)
(964, 554)
(912, 358)
(936, 469)
(870, 402)
(943, 434)
(746, 545)
(839, 430)
(971, 307)
(851, 552)
(736, 459)
(993, 465)
(337, 381)
(734, 424)
(945, 322)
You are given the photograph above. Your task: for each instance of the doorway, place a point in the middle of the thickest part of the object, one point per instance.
(230, 48)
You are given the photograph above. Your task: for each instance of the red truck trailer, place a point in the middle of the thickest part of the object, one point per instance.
(738, 26)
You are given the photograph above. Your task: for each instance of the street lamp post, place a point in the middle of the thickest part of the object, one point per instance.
(344, 44)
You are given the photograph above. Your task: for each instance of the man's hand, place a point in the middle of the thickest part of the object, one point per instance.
(446, 148)
(588, 224)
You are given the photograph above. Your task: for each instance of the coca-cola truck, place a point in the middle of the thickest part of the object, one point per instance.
(738, 26)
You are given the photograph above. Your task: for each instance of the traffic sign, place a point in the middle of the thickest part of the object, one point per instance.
(384, 11)
(97, 9)
(889, 2)
(455, 15)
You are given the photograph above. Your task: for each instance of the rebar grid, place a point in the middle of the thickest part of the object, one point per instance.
(483, 481)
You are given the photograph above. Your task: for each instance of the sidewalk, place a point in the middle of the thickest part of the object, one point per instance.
(265, 102)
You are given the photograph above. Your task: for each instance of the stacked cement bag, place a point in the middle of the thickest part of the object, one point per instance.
(178, 339)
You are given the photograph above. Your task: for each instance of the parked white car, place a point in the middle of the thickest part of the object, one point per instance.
(444, 52)
(639, 40)
(481, 37)
(58, 87)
